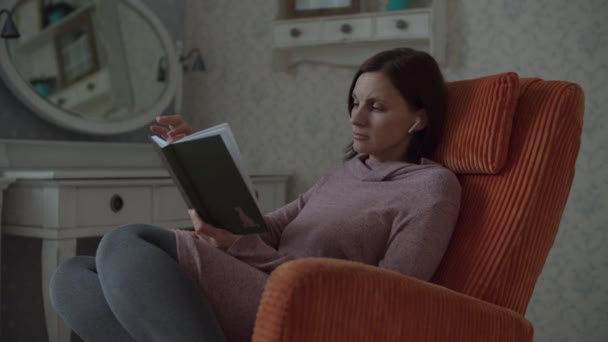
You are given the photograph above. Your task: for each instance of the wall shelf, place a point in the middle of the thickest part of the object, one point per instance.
(348, 40)
(47, 34)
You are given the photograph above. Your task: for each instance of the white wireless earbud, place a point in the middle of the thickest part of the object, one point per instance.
(414, 126)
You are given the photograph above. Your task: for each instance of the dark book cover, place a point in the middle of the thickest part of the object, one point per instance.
(210, 182)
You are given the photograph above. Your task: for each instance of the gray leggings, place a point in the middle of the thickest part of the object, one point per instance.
(133, 290)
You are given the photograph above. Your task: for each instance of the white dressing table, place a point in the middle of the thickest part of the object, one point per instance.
(4, 183)
(64, 203)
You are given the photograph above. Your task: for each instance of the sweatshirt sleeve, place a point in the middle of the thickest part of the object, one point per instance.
(260, 250)
(420, 237)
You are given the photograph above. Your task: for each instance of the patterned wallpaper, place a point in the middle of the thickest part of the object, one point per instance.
(297, 121)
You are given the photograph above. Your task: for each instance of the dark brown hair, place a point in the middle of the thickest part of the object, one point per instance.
(416, 75)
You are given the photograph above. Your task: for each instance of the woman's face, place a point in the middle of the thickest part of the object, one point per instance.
(380, 118)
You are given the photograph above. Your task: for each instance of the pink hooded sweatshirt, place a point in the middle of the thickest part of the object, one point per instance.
(395, 215)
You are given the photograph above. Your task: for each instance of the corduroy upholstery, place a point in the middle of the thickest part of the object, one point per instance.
(478, 124)
(481, 290)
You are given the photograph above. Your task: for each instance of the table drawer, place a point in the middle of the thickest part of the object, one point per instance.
(346, 29)
(403, 26)
(296, 34)
(169, 205)
(112, 205)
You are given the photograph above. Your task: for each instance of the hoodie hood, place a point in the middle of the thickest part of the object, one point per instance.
(365, 169)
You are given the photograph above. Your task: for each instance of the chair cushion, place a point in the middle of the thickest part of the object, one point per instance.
(478, 124)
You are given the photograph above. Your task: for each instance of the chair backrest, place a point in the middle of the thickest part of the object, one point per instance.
(509, 219)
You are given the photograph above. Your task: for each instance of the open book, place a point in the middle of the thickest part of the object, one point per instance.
(209, 172)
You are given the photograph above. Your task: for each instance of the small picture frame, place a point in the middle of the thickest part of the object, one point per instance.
(76, 50)
(315, 8)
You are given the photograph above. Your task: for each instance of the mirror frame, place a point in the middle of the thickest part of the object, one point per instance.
(48, 111)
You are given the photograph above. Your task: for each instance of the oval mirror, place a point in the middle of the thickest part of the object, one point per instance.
(95, 66)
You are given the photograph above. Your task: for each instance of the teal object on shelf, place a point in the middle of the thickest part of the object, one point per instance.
(396, 5)
(56, 15)
(43, 89)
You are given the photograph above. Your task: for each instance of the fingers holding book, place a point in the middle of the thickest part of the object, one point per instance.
(175, 127)
(216, 237)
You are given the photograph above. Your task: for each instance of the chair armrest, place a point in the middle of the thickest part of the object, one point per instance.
(320, 299)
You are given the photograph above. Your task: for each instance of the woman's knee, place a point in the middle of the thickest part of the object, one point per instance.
(118, 239)
(118, 243)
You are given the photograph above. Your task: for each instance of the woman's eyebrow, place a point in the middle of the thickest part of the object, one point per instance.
(370, 99)
(375, 99)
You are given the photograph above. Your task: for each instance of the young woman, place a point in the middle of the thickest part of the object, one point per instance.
(387, 205)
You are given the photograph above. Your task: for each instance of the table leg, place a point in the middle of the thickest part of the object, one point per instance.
(54, 252)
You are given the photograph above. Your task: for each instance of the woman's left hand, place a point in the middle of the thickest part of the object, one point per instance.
(216, 237)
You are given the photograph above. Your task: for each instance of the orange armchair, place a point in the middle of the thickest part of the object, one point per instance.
(513, 144)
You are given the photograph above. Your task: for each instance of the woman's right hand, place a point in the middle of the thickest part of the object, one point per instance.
(218, 238)
(177, 127)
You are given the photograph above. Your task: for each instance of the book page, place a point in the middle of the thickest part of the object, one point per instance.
(215, 130)
(159, 141)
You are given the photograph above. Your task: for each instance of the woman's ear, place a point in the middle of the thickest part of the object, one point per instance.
(412, 128)
(420, 122)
